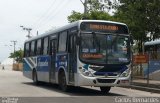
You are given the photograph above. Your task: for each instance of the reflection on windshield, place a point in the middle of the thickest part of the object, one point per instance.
(110, 49)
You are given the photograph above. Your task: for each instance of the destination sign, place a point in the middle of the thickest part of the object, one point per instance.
(104, 27)
(93, 56)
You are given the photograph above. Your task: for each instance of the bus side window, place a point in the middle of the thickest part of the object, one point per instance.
(32, 53)
(35, 48)
(38, 49)
(72, 44)
(45, 46)
(27, 50)
(62, 41)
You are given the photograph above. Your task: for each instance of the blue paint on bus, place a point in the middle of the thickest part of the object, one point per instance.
(43, 63)
(62, 61)
(26, 67)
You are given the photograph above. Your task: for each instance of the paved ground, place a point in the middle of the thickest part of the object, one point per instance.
(13, 84)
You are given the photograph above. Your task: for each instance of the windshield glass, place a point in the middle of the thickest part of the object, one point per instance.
(104, 49)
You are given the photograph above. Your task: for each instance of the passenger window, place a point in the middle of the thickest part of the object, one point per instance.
(62, 41)
(27, 50)
(38, 47)
(45, 46)
(32, 53)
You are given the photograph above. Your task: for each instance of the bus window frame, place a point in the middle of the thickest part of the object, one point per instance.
(65, 32)
(32, 53)
(43, 44)
(40, 52)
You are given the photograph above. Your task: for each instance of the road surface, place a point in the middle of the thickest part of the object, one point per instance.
(14, 84)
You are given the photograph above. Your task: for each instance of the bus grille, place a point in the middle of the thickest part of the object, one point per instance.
(106, 80)
(109, 74)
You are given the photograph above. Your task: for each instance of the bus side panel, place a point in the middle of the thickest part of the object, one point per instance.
(27, 68)
(43, 68)
(61, 63)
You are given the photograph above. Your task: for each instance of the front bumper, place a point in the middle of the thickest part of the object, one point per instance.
(102, 81)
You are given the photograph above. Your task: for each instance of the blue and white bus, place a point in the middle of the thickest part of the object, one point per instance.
(152, 48)
(84, 53)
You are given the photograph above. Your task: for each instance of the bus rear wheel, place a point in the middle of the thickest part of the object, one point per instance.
(105, 90)
(62, 81)
(35, 80)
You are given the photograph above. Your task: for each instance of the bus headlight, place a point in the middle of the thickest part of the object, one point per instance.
(86, 72)
(126, 73)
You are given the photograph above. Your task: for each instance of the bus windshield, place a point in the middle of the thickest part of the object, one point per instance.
(104, 49)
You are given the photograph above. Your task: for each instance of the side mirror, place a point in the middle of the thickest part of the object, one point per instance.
(131, 39)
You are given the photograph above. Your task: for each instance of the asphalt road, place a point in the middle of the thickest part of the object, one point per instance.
(14, 84)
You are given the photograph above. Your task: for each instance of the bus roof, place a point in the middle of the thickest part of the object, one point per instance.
(76, 23)
(152, 42)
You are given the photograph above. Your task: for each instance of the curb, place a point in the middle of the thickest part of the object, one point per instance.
(147, 89)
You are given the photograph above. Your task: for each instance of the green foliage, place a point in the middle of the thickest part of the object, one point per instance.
(95, 11)
(75, 16)
(99, 15)
(131, 13)
(142, 17)
(94, 5)
(96, 15)
(98, 6)
(17, 55)
(153, 17)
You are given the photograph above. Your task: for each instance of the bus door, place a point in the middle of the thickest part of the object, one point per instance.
(53, 50)
(72, 57)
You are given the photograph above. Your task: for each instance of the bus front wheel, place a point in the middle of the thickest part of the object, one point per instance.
(62, 81)
(105, 90)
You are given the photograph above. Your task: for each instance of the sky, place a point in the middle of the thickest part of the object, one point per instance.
(40, 15)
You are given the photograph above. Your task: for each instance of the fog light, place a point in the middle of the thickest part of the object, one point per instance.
(94, 81)
(124, 81)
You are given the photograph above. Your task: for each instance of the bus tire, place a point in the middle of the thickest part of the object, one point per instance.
(34, 77)
(105, 90)
(62, 81)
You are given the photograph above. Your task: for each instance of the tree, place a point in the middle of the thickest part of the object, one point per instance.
(153, 18)
(96, 15)
(106, 6)
(17, 55)
(95, 10)
(142, 17)
(75, 16)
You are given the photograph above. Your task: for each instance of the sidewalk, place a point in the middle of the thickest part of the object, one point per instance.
(141, 84)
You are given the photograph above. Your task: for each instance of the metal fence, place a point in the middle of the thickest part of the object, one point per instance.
(147, 74)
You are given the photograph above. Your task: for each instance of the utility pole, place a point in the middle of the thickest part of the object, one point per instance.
(28, 30)
(37, 33)
(85, 7)
(14, 45)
